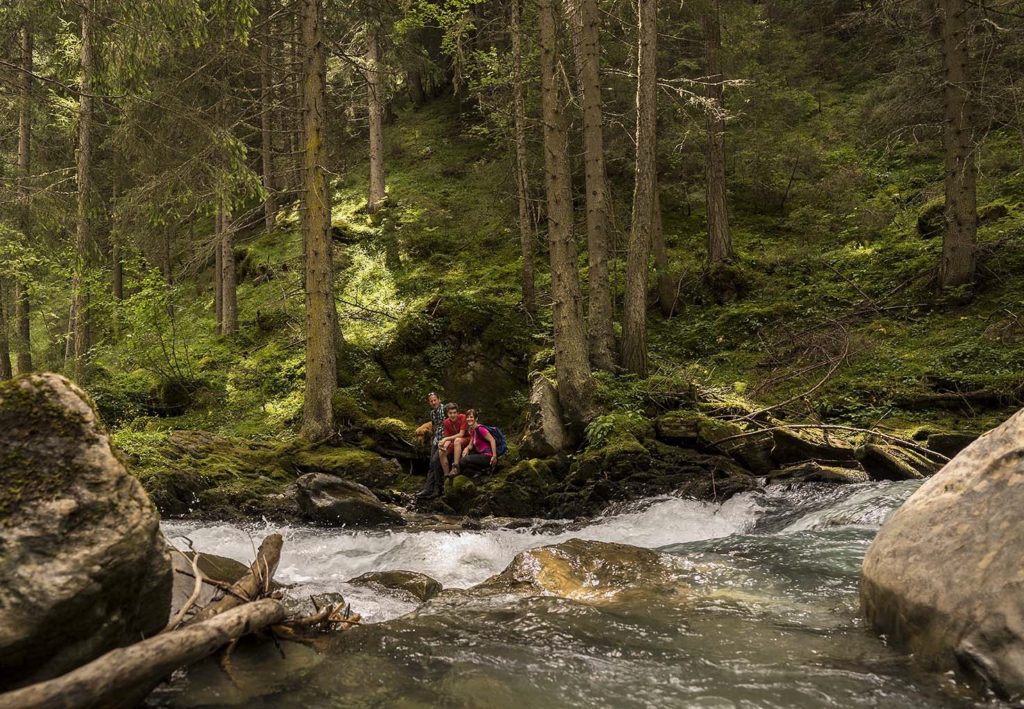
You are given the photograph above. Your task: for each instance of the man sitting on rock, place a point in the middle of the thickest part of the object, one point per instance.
(456, 437)
(482, 451)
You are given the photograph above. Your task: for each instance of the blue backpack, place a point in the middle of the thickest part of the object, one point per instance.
(499, 439)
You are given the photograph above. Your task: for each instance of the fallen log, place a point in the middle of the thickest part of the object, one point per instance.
(123, 677)
(251, 586)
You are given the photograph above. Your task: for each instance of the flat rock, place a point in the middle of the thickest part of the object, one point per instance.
(944, 578)
(417, 585)
(85, 569)
(330, 500)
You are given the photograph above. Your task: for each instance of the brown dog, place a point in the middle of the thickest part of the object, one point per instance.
(425, 432)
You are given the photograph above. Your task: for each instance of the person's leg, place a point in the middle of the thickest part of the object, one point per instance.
(458, 457)
(433, 485)
(474, 462)
(445, 453)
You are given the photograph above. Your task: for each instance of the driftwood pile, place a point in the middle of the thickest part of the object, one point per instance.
(125, 676)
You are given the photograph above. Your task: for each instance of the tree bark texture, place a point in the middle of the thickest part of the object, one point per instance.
(228, 278)
(267, 119)
(572, 364)
(375, 108)
(22, 320)
(123, 677)
(321, 377)
(83, 230)
(5, 355)
(961, 214)
(584, 22)
(218, 271)
(719, 237)
(634, 312)
(522, 172)
(666, 290)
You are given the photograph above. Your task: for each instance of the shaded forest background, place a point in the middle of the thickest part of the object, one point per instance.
(830, 298)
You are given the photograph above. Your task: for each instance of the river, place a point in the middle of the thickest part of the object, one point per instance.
(769, 617)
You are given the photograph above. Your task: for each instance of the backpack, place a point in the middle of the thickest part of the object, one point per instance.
(499, 439)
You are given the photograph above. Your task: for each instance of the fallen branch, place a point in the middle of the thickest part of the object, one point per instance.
(196, 590)
(828, 375)
(253, 584)
(837, 427)
(123, 677)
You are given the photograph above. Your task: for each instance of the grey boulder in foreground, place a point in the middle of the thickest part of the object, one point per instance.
(944, 578)
(84, 567)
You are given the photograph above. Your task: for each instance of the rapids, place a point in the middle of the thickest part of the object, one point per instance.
(770, 617)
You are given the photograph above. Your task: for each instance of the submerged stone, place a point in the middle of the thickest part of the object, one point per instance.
(84, 567)
(944, 578)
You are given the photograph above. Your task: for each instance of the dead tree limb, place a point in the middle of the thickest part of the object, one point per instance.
(252, 585)
(123, 677)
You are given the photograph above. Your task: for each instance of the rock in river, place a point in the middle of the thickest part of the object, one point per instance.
(83, 564)
(944, 578)
(416, 585)
(584, 570)
(330, 500)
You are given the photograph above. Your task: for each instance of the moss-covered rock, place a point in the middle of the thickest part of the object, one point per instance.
(356, 464)
(85, 568)
(518, 491)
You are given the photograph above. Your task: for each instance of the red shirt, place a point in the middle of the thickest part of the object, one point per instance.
(458, 426)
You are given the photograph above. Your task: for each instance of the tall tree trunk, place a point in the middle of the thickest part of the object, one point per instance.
(321, 316)
(522, 172)
(267, 119)
(666, 291)
(83, 233)
(585, 29)
(5, 354)
(719, 238)
(22, 327)
(117, 273)
(634, 311)
(374, 99)
(229, 281)
(957, 267)
(572, 365)
(218, 270)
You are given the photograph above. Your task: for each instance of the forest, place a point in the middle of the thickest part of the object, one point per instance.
(726, 280)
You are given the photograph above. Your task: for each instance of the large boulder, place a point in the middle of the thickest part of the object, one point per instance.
(329, 500)
(586, 571)
(545, 435)
(944, 578)
(84, 566)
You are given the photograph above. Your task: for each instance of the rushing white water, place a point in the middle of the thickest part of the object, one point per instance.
(316, 560)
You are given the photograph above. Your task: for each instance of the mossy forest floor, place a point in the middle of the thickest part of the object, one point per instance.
(428, 292)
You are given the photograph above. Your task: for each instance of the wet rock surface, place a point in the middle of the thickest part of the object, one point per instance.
(84, 567)
(944, 577)
(408, 583)
(586, 571)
